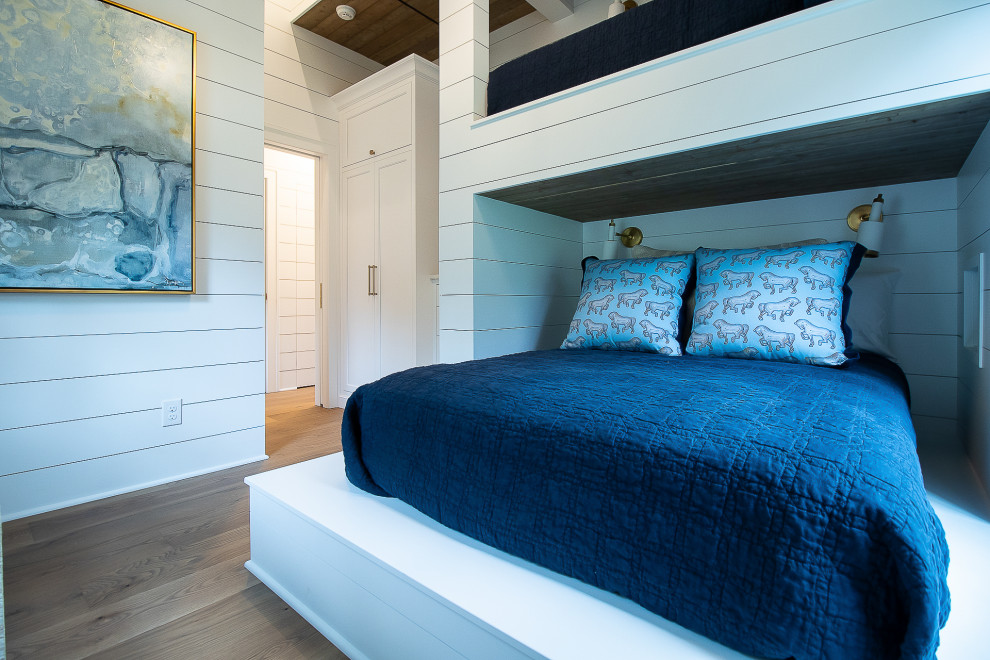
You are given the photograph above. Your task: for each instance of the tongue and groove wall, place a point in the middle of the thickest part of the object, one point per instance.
(83, 376)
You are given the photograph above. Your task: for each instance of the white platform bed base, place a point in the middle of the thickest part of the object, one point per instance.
(381, 580)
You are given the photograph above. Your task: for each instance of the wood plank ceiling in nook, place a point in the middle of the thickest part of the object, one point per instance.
(388, 30)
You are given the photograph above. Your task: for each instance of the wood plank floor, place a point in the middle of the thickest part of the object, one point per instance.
(159, 573)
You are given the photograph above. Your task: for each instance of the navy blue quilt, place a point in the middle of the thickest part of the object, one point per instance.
(650, 31)
(776, 508)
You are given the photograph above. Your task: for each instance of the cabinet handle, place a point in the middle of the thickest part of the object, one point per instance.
(371, 152)
(372, 284)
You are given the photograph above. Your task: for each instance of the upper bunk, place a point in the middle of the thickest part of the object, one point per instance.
(849, 93)
(636, 36)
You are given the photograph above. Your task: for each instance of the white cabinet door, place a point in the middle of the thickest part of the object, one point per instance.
(379, 129)
(360, 362)
(397, 247)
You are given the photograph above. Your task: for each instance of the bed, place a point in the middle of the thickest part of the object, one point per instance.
(788, 522)
(647, 32)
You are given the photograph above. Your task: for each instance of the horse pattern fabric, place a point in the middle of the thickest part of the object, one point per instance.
(630, 305)
(772, 304)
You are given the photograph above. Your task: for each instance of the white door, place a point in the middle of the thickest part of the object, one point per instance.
(361, 359)
(397, 269)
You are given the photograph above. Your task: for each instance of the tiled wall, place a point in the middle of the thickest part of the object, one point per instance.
(295, 295)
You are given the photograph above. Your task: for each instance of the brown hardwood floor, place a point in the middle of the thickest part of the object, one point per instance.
(159, 573)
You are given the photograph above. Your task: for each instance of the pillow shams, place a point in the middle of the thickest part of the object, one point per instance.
(641, 251)
(772, 304)
(630, 305)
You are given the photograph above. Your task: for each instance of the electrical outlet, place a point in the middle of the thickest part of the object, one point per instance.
(171, 412)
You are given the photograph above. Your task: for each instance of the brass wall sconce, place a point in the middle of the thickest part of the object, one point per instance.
(629, 237)
(867, 221)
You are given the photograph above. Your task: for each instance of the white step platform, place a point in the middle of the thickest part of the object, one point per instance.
(380, 580)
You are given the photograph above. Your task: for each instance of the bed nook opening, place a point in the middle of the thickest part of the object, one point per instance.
(766, 136)
(740, 158)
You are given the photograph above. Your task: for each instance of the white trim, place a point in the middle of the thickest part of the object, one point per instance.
(301, 9)
(328, 341)
(973, 313)
(270, 228)
(130, 489)
(553, 10)
(380, 80)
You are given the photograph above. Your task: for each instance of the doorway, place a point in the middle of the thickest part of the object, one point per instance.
(291, 290)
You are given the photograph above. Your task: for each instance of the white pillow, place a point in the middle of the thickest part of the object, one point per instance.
(869, 310)
(645, 252)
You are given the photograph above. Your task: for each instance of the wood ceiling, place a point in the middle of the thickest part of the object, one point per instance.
(388, 30)
(919, 143)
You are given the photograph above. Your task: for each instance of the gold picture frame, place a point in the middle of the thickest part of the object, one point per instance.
(98, 142)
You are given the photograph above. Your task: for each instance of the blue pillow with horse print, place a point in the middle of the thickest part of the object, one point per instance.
(773, 304)
(631, 305)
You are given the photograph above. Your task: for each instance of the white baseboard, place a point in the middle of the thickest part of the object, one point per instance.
(40, 491)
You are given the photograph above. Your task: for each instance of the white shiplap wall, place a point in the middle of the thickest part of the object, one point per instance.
(84, 375)
(920, 242)
(973, 190)
(513, 271)
(302, 71)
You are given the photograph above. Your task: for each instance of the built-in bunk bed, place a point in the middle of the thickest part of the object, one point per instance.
(647, 32)
(741, 470)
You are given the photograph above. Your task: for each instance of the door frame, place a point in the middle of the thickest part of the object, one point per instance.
(271, 280)
(327, 232)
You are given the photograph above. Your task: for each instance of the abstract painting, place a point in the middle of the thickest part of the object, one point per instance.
(97, 126)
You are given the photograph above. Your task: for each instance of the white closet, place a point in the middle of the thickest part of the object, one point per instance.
(389, 221)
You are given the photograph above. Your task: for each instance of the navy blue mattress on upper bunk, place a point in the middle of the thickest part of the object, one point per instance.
(776, 508)
(644, 33)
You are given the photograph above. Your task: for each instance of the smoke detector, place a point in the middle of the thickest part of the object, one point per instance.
(346, 12)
